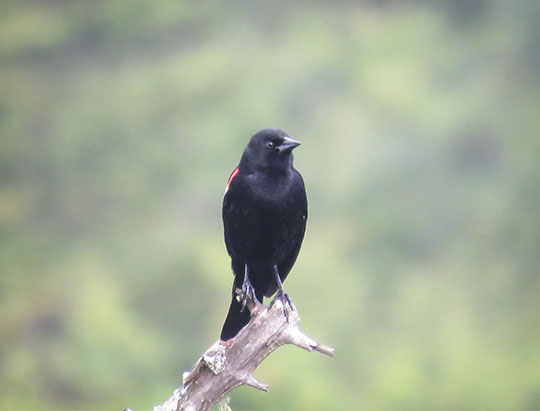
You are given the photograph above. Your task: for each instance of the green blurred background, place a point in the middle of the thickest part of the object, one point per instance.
(120, 123)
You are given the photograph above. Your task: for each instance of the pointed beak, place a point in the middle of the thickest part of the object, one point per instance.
(288, 144)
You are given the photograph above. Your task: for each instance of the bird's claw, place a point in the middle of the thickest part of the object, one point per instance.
(248, 293)
(285, 301)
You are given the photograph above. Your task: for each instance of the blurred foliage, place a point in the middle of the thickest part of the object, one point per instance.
(120, 123)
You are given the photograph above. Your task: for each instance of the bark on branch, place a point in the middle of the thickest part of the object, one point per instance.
(230, 364)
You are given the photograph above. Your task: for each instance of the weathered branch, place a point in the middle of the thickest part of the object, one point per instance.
(230, 364)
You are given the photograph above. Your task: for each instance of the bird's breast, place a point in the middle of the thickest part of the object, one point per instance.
(260, 218)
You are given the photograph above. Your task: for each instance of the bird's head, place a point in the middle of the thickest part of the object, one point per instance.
(269, 149)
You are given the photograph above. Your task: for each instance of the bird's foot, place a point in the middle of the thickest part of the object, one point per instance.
(248, 293)
(251, 303)
(286, 302)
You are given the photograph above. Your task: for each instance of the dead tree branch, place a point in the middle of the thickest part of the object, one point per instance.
(230, 364)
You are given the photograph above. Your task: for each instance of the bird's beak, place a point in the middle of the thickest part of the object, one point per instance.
(288, 144)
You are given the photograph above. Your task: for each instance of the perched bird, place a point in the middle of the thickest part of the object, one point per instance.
(264, 218)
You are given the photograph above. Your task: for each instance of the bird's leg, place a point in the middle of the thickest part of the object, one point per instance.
(282, 295)
(247, 289)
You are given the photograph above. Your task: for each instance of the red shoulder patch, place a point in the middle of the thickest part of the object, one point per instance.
(231, 178)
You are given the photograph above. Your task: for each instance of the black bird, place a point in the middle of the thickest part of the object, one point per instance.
(264, 217)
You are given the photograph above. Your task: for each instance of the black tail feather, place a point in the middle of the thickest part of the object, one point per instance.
(235, 321)
(237, 318)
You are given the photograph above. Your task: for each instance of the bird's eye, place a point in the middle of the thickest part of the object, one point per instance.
(271, 144)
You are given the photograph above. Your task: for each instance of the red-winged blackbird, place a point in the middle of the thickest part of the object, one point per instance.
(264, 216)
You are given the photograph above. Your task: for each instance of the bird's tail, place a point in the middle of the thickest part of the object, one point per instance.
(235, 321)
(236, 318)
